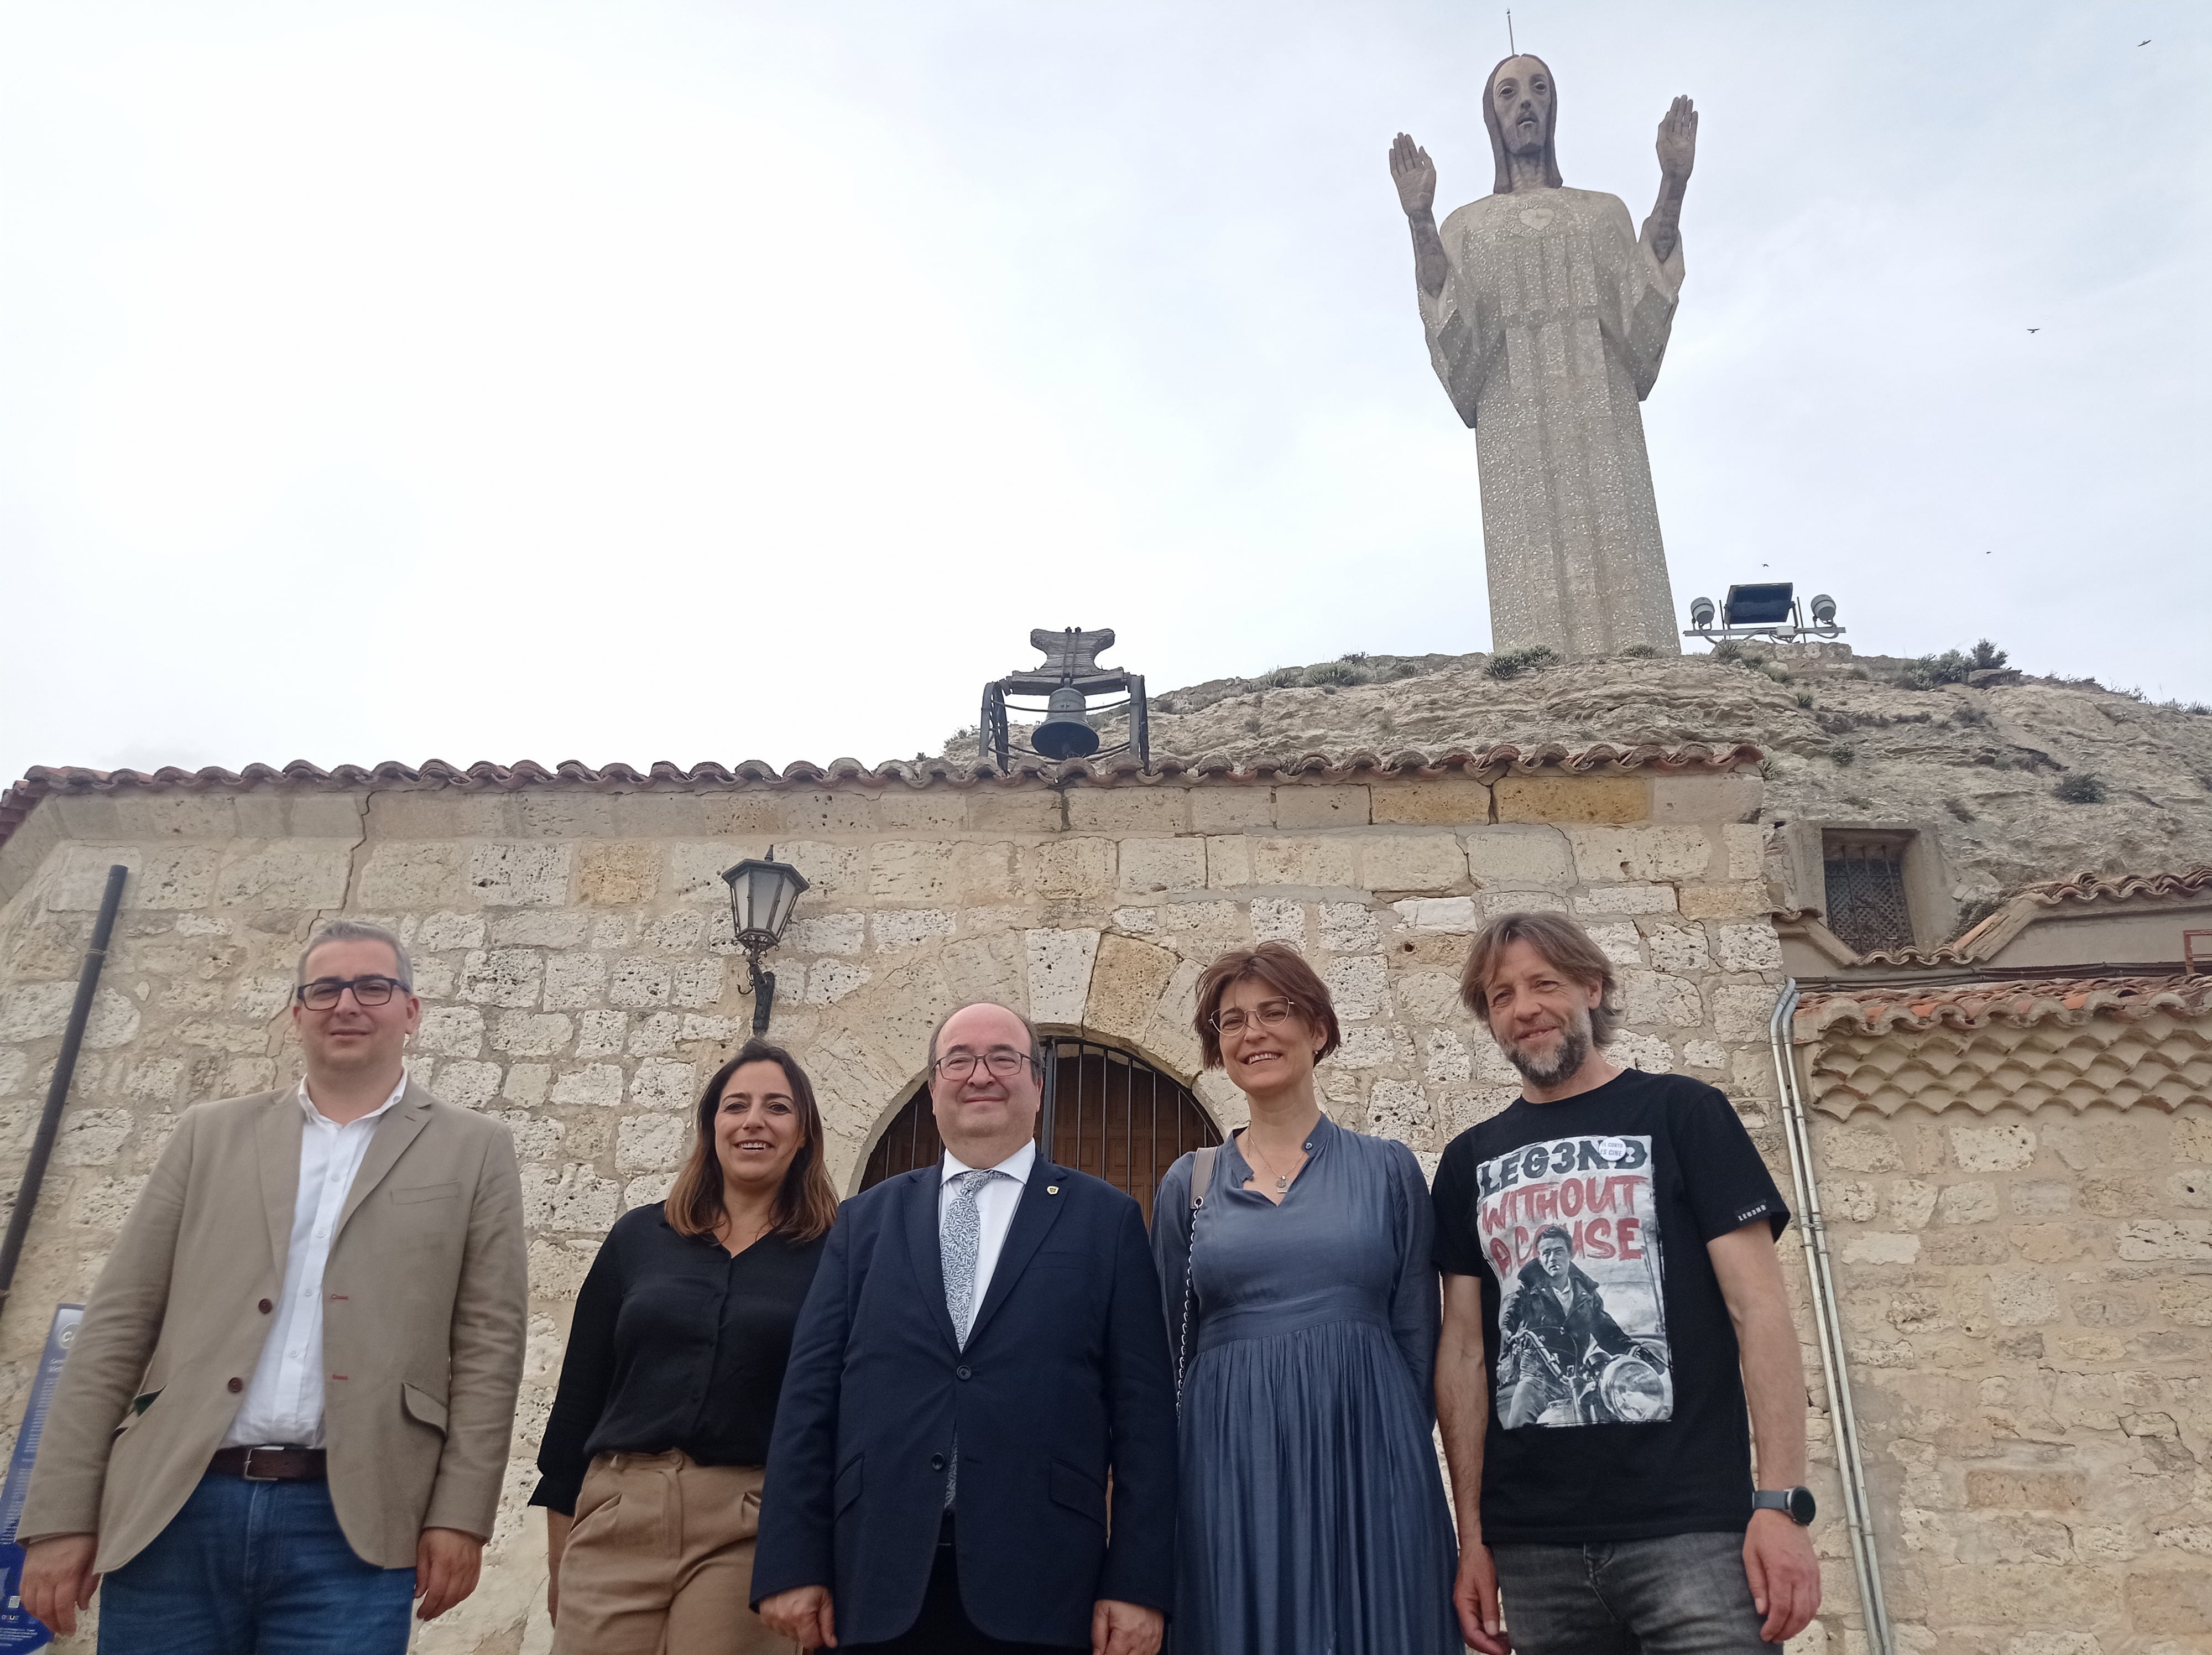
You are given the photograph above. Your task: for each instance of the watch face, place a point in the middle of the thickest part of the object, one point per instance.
(1802, 1508)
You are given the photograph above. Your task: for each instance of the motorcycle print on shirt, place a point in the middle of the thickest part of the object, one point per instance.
(1571, 1229)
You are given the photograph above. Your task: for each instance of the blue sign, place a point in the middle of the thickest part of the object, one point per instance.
(19, 1629)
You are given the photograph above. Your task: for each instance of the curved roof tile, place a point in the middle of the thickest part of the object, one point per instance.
(1872, 1010)
(2091, 886)
(42, 780)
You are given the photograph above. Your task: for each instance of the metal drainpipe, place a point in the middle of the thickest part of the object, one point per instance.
(42, 1146)
(1857, 1512)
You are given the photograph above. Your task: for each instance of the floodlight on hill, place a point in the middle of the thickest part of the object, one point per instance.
(1762, 604)
(1763, 609)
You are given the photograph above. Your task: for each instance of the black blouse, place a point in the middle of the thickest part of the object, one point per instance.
(674, 1344)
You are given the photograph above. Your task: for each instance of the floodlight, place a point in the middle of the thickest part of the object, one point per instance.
(1767, 604)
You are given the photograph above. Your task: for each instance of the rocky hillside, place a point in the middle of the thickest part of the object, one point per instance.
(2027, 777)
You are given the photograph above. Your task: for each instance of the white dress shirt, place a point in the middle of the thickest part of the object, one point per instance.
(995, 1207)
(283, 1404)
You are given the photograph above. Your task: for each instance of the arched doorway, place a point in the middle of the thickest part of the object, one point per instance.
(1106, 1112)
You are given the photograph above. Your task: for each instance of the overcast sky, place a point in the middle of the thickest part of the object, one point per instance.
(714, 380)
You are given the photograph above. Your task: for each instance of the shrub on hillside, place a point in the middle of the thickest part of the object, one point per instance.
(1334, 673)
(1641, 652)
(1511, 663)
(1925, 673)
(2079, 787)
(1987, 656)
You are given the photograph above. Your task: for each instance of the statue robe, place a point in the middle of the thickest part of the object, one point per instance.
(1550, 330)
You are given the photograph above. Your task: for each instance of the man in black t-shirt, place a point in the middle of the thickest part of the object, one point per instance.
(1610, 1279)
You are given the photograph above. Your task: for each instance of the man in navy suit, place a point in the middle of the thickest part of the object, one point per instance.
(982, 1348)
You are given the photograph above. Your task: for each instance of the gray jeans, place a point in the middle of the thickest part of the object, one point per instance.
(1684, 1595)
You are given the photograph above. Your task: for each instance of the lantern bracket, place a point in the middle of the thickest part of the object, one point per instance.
(762, 894)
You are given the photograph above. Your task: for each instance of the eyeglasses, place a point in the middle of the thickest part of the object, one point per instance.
(1002, 1065)
(1268, 1014)
(323, 992)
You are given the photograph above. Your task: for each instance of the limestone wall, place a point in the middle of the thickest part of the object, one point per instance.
(2027, 1302)
(569, 949)
(1847, 741)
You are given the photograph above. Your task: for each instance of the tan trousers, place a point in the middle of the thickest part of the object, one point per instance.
(660, 1560)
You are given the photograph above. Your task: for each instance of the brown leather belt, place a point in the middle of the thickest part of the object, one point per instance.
(271, 1464)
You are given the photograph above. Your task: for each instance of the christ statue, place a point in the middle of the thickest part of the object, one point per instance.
(1547, 317)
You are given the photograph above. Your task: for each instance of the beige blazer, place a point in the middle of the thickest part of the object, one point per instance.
(423, 1322)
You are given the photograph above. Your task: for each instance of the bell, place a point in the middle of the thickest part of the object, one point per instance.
(1064, 733)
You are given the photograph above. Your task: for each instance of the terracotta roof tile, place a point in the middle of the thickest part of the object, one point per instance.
(1873, 1010)
(1948, 953)
(2091, 886)
(42, 781)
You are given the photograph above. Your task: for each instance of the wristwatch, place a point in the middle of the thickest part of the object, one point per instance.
(1795, 1504)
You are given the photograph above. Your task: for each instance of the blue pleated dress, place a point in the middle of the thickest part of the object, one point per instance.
(1314, 1520)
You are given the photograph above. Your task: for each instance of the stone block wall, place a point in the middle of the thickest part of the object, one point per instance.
(2027, 1299)
(571, 948)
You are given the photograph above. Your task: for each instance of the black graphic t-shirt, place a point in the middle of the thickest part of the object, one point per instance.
(1617, 1405)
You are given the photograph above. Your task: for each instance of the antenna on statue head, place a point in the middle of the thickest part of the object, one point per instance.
(1511, 50)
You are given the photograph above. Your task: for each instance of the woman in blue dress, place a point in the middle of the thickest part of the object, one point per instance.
(1303, 1317)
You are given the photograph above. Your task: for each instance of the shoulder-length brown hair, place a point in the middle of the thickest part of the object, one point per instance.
(1283, 969)
(806, 1205)
(1573, 952)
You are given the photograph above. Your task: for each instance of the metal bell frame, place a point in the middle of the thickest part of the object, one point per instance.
(1070, 664)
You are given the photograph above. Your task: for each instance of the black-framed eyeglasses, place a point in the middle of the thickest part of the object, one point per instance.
(323, 992)
(1002, 1065)
(1268, 1014)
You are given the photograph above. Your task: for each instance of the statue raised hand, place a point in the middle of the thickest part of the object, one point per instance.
(1678, 153)
(1415, 175)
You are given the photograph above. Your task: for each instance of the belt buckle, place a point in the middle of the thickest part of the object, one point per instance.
(246, 1471)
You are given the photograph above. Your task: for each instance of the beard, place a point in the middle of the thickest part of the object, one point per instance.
(1576, 1043)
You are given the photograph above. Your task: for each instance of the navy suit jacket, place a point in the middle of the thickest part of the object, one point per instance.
(1066, 1377)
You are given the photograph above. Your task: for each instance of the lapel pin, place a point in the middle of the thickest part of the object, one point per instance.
(1052, 1190)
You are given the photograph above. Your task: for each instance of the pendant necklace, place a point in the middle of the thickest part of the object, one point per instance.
(1282, 1182)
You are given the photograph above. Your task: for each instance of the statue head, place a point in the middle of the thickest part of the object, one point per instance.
(1521, 107)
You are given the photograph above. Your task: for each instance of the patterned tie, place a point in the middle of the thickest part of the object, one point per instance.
(957, 1242)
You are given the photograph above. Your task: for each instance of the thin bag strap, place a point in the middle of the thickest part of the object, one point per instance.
(1201, 1180)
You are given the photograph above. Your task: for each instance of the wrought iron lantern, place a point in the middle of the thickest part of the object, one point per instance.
(763, 895)
(1068, 678)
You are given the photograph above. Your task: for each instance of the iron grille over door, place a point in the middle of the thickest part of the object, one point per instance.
(1866, 894)
(1105, 1112)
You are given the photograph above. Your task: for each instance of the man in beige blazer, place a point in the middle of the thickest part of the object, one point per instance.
(285, 1417)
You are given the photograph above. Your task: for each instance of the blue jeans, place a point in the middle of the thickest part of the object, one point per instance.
(1684, 1595)
(255, 1568)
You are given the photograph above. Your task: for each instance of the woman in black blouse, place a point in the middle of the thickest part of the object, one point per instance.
(651, 1461)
